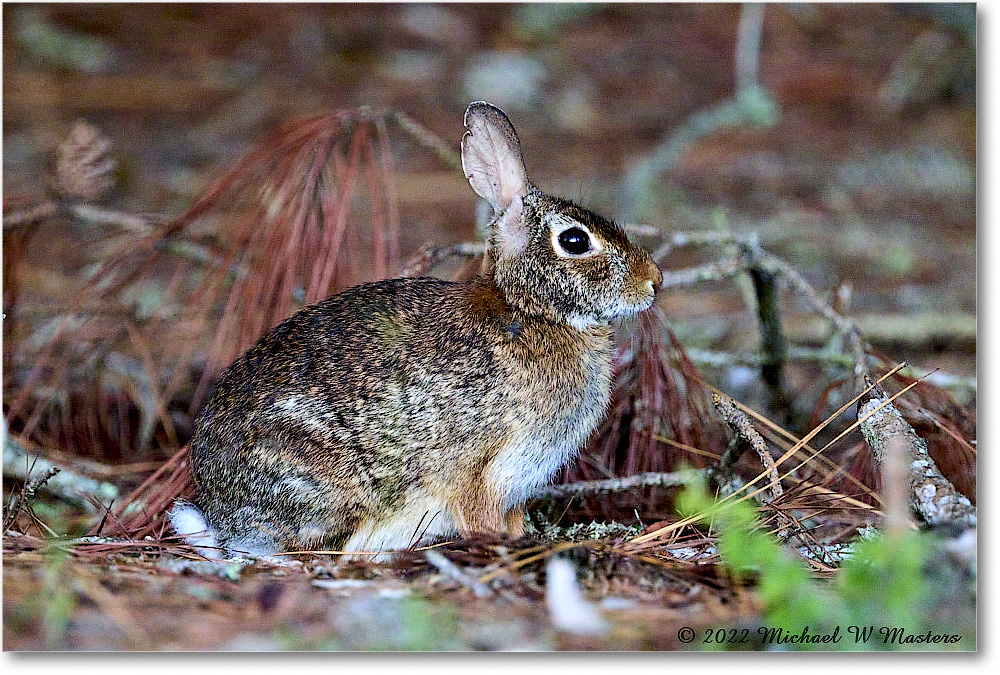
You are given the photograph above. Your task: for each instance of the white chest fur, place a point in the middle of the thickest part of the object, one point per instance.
(553, 428)
(522, 468)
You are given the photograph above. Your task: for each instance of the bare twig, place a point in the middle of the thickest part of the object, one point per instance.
(684, 239)
(29, 215)
(26, 495)
(429, 256)
(141, 225)
(748, 37)
(650, 479)
(843, 325)
(453, 571)
(715, 271)
(428, 139)
(788, 454)
(642, 230)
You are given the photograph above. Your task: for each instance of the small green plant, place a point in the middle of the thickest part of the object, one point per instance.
(883, 597)
(427, 626)
(46, 613)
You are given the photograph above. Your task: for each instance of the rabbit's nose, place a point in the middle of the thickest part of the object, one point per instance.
(654, 276)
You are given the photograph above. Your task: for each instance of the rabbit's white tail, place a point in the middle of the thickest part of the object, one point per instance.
(190, 523)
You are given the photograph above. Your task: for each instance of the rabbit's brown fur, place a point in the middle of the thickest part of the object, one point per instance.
(410, 409)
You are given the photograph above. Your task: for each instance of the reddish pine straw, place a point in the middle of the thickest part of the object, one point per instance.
(292, 219)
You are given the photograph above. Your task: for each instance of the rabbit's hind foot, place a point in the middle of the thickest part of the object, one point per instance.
(419, 521)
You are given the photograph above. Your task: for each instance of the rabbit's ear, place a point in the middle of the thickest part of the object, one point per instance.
(491, 156)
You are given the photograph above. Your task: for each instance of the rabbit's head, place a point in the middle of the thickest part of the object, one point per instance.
(548, 255)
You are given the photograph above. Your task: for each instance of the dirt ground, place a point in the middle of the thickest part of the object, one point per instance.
(866, 177)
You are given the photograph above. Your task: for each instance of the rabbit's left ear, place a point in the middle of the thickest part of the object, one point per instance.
(491, 156)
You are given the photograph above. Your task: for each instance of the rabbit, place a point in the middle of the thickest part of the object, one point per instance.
(411, 410)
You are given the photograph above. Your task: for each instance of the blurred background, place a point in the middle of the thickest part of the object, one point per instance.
(844, 135)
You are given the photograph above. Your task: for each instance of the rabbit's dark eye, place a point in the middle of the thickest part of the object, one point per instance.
(574, 241)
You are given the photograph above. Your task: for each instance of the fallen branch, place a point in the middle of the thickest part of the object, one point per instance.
(773, 345)
(932, 495)
(740, 423)
(66, 485)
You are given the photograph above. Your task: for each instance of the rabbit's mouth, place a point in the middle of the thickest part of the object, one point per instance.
(643, 304)
(622, 309)
(626, 307)
(647, 295)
